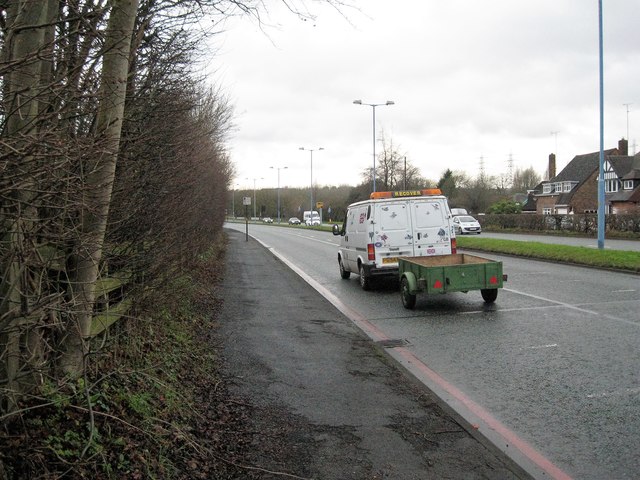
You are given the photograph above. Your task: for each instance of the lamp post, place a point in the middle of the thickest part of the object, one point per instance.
(373, 106)
(254, 194)
(601, 196)
(311, 150)
(278, 169)
(233, 202)
(233, 199)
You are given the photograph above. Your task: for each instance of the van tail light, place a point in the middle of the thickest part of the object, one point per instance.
(371, 251)
(454, 246)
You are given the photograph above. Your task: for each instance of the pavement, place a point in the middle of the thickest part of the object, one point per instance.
(328, 402)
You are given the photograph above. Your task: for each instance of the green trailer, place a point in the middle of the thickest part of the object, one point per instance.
(440, 274)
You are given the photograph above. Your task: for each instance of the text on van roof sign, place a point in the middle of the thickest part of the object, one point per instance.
(406, 193)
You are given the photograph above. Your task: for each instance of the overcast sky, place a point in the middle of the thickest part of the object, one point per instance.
(469, 79)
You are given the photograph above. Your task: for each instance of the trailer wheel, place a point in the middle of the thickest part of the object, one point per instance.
(489, 295)
(408, 299)
(345, 274)
(365, 281)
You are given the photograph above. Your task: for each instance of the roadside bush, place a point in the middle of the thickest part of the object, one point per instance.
(505, 207)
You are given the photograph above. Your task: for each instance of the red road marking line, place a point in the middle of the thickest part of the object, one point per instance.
(527, 450)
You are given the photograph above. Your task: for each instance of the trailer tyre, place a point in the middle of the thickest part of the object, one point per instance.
(345, 274)
(365, 281)
(408, 299)
(489, 295)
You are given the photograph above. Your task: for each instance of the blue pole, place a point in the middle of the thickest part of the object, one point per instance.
(601, 200)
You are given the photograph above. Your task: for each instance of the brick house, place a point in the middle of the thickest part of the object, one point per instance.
(575, 188)
(622, 184)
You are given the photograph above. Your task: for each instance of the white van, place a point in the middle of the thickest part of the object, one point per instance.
(390, 225)
(459, 211)
(311, 218)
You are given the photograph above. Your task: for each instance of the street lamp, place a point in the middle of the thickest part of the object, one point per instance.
(601, 180)
(233, 199)
(373, 106)
(311, 150)
(254, 195)
(278, 168)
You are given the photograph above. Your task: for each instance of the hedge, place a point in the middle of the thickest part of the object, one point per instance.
(586, 223)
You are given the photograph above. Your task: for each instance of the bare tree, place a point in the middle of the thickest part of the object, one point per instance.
(475, 194)
(99, 180)
(24, 99)
(393, 170)
(112, 154)
(524, 180)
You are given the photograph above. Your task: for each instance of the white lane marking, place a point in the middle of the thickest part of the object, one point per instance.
(315, 239)
(615, 393)
(624, 291)
(575, 307)
(529, 274)
(538, 347)
(612, 302)
(545, 307)
(521, 309)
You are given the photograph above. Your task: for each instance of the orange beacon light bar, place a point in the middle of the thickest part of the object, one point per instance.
(405, 193)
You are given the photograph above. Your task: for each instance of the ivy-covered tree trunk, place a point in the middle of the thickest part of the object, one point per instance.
(99, 178)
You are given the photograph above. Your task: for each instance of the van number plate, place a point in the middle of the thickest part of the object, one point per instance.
(390, 260)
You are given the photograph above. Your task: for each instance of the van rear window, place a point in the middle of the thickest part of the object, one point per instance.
(393, 217)
(429, 214)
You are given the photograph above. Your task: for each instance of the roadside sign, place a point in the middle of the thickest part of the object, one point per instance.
(246, 200)
(319, 205)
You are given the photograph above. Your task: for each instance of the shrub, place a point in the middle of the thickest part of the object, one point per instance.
(586, 223)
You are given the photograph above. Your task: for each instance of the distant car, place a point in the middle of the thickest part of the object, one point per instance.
(466, 224)
(267, 220)
(294, 221)
(459, 212)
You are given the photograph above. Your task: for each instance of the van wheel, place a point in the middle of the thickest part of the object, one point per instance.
(489, 295)
(345, 274)
(365, 282)
(408, 299)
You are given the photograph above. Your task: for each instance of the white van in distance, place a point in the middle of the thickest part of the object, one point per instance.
(311, 218)
(390, 225)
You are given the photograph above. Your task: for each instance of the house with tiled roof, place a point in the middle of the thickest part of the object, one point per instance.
(575, 188)
(622, 184)
(529, 206)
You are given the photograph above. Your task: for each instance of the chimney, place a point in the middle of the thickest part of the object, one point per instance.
(623, 147)
(552, 165)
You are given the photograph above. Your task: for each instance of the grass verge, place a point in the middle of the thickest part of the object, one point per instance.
(610, 259)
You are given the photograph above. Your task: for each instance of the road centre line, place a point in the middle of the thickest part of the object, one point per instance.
(612, 302)
(314, 239)
(545, 307)
(521, 452)
(615, 393)
(575, 307)
(520, 309)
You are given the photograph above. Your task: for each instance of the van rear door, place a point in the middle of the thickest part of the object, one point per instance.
(392, 233)
(431, 229)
